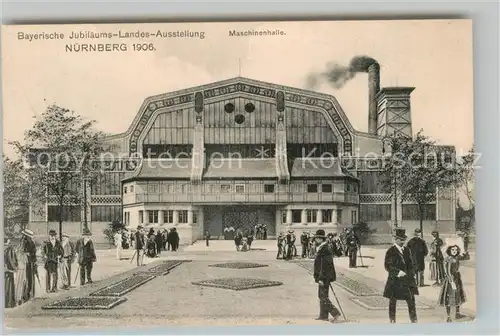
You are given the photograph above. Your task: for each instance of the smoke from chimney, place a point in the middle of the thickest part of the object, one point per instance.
(338, 75)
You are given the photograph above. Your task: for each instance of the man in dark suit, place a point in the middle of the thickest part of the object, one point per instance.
(400, 283)
(52, 253)
(86, 256)
(140, 245)
(324, 275)
(353, 245)
(419, 251)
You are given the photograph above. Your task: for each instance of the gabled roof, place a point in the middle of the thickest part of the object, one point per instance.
(241, 168)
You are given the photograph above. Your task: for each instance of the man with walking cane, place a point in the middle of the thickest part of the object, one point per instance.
(324, 275)
(66, 261)
(400, 283)
(86, 256)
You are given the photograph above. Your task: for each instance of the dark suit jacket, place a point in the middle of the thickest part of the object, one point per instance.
(324, 269)
(52, 253)
(419, 251)
(86, 252)
(400, 288)
(139, 241)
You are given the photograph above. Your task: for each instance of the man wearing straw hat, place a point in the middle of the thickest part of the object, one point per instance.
(66, 261)
(26, 281)
(400, 283)
(324, 275)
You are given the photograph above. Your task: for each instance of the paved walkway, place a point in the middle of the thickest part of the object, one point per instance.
(173, 299)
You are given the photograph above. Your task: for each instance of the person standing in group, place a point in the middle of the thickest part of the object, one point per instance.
(67, 259)
(52, 254)
(238, 238)
(140, 245)
(437, 259)
(10, 268)
(159, 242)
(304, 242)
(452, 292)
(86, 256)
(324, 274)
(400, 283)
(165, 239)
(175, 239)
(29, 269)
(279, 241)
(353, 245)
(118, 237)
(290, 244)
(207, 238)
(419, 251)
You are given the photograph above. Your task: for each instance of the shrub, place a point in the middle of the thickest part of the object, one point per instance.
(363, 231)
(112, 228)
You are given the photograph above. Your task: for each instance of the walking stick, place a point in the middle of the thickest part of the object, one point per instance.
(338, 302)
(133, 256)
(77, 271)
(361, 256)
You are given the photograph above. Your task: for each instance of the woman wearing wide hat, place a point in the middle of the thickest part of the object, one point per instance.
(400, 283)
(324, 275)
(452, 292)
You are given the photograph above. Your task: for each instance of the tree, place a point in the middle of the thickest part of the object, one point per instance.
(467, 176)
(15, 195)
(422, 168)
(62, 148)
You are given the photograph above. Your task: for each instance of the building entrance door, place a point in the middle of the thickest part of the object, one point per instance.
(241, 219)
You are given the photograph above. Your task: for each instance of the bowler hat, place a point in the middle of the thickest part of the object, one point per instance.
(320, 234)
(52, 233)
(417, 230)
(139, 227)
(400, 233)
(86, 232)
(65, 235)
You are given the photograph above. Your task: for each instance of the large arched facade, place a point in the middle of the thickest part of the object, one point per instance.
(242, 152)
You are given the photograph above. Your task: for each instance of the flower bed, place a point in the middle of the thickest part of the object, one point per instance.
(163, 268)
(381, 303)
(124, 286)
(355, 287)
(237, 283)
(85, 303)
(239, 265)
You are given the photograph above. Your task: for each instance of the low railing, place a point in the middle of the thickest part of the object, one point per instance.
(247, 198)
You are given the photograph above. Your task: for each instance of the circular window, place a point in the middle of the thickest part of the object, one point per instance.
(249, 107)
(239, 119)
(229, 108)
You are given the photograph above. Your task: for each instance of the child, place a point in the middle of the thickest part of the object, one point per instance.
(452, 292)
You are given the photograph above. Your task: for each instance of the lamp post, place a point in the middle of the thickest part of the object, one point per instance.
(390, 141)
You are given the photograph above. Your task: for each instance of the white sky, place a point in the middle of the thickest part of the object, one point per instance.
(433, 56)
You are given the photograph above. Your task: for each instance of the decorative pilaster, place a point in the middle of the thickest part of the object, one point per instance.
(304, 217)
(335, 220)
(161, 217)
(288, 217)
(319, 217)
(175, 220)
(198, 154)
(146, 217)
(190, 217)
